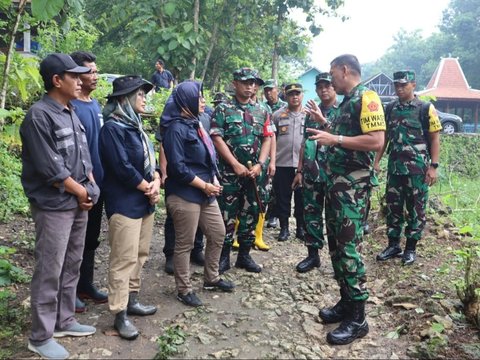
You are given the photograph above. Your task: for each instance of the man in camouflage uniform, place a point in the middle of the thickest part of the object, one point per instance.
(356, 132)
(413, 151)
(312, 175)
(241, 133)
(220, 97)
(270, 91)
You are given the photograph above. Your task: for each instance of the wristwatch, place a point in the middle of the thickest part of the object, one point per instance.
(340, 140)
(434, 165)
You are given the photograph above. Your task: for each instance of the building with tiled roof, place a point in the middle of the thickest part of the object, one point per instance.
(450, 87)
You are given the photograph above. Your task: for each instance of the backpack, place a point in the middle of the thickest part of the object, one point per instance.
(424, 119)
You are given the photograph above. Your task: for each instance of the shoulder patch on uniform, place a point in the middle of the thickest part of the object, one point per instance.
(372, 117)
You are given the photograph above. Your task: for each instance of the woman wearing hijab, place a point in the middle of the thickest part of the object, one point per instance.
(131, 190)
(191, 188)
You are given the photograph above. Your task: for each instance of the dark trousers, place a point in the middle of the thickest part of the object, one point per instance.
(59, 241)
(282, 186)
(169, 231)
(94, 225)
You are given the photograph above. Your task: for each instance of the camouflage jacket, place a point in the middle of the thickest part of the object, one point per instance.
(314, 155)
(360, 112)
(407, 148)
(242, 127)
(280, 104)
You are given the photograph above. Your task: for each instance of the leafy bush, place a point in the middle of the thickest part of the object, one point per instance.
(25, 84)
(169, 342)
(13, 322)
(72, 36)
(9, 273)
(12, 197)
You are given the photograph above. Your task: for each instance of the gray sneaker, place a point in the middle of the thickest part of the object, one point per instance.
(49, 350)
(75, 330)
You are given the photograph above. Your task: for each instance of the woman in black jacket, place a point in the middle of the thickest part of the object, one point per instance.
(191, 189)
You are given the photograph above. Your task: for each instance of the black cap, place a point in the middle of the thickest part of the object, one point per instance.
(57, 64)
(126, 84)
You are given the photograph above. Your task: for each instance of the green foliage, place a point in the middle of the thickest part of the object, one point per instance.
(12, 197)
(169, 342)
(468, 260)
(103, 89)
(460, 24)
(230, 34)
(46, 9)
(71, 36)
(13, 322)
(9, 273)
(24, 81)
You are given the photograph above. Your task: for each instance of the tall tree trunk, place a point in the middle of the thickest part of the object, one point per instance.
(196, 12)
(275, 59)
(215, 76)
(213, 41)
(8, 59)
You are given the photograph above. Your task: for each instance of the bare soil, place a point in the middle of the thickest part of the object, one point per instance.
(274, 314)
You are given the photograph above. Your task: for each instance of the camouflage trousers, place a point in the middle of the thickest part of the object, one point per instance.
(346, 201)
(238, 200)
(410, 192)
(313, 204)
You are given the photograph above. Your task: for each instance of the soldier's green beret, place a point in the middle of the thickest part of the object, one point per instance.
(404, 76)
(293, 87)
(270, 84)
(245, 74)
(324, 76)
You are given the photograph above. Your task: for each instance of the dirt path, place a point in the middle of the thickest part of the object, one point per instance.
(274, 314)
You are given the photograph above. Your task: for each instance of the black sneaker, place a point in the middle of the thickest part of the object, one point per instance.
(223, 285)
(190, 299)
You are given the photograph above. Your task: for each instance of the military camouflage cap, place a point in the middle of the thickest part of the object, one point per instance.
(245, 74)
(258, 79)
(404, 76)
(324, 76)
(270, 84)
(293, 87)
(220, 97)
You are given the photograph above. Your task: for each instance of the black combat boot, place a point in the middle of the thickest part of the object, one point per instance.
(135, 308)
(85, 287)
(392, 250)
(169, 269)
(284, 232)
(310, 262)
(197, 257)
(125, 328)
(300, 231)
(338, 312)
(224, 259)
(245, 261)
(409, 255)
(354, 326)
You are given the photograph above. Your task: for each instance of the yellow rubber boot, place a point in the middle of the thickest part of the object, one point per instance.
(259, 244)
(235, 244)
